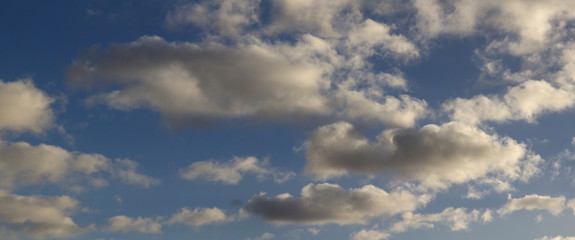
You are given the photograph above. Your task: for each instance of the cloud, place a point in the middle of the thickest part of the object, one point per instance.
(317, 17)
(369, 235)
(227, 17)
(456, 218)
(127, 224)
(199, 217)
(266, 236)
(125, 170)
(23, 107)
(25, 164)
(389, 110)
(184, 80)
(329, 203)
(435, 155)
(523, 102)
(258, 74)
(40, 216)
(553, 205)
(556, 238)
(527, 24)
(231, 172)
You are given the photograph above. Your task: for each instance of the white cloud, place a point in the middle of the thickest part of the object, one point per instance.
(369, 36)
(456, 218)
(231, 172)
(556, 238)
(553, 205)
(487, 216)
(435, 155)
(125, 170)
(525, 101)
(369, 235)
(266, 236)
(227, 17)
(40, 216)
(25, 164)
(329, 203)
(391, 111)
(23, 107)
(127, 224)
(199, 217)
(527, 23)
(322, 17)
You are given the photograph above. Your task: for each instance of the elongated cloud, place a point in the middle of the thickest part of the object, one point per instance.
(232, 171)
(187, 80)
(553, 205)
(25, 164)
(556, 238)
(523, 102)
(227, 17)
(456, 218)
(329, 203)
(127, 224)
(199, 216)
(369, 235)
(23, 107)
(435, 155)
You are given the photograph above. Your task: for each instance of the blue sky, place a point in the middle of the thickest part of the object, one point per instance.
(284, 119)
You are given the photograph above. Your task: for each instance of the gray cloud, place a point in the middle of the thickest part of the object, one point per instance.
(249, 75)
(329, 203)
(186, 80)
(435, 155)
(40, 216)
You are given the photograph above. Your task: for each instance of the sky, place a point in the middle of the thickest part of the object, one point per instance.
(287, 119)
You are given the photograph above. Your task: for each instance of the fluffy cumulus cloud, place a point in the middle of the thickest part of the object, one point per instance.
(553, 205)
(23, 107)
(40, 216)
(199, 217)
(435, 155)
(232, 171)
(127, 224)
(329, 203)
